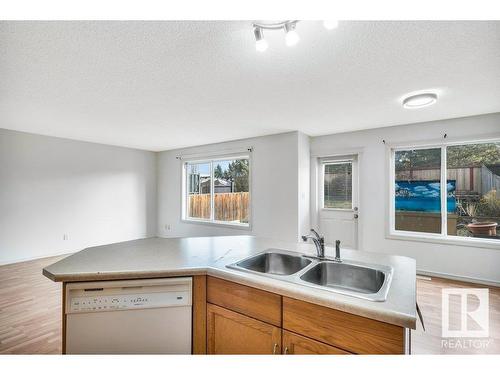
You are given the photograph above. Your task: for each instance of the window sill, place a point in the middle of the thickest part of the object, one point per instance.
(221, 224)
(448, 240)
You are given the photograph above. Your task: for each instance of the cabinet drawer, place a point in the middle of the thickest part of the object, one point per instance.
(347, 331)
(249, 301)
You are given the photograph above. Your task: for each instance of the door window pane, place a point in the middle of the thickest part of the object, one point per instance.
(198, 190)
(231, 190)
(474, 169)
(338, 185)
(417, 190)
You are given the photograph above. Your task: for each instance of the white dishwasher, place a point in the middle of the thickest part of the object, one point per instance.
(151, 316)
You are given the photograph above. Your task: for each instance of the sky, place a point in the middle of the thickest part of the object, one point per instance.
(204, 168)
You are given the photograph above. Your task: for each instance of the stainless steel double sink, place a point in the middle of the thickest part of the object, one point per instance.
(362, 280)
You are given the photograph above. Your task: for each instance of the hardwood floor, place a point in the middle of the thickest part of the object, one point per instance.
(30, 312)
(30, 309)
(430, 341)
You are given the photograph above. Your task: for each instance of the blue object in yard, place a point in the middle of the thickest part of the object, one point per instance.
(423, 196)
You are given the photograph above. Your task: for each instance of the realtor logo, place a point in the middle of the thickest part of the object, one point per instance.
(465, 312)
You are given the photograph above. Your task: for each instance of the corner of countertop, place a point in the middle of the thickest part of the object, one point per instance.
(48, 274)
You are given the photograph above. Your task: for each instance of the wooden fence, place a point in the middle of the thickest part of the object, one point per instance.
(489, 181)
(479, 180)
(467, 179)
(227, 206)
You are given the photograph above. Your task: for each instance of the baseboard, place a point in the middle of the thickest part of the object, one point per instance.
(20, 260)
(459, 278)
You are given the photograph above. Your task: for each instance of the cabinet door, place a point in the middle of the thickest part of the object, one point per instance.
(232, 333)
(296, 344)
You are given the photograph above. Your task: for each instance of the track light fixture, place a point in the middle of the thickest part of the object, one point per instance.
(291, 36)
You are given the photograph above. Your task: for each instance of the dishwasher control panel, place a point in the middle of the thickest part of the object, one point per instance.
(100, 303)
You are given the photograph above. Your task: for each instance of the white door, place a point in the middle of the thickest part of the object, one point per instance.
(338, 200)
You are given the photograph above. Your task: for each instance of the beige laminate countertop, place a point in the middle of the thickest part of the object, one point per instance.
(165, 257)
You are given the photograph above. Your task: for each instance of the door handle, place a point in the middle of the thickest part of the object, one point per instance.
(275, 347)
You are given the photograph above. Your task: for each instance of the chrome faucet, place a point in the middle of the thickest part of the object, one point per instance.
(318, 240)
(337, 252)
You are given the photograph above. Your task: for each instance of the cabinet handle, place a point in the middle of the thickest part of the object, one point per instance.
(286, 350)
(275, 348)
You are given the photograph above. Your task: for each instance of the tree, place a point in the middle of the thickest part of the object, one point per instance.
(410, 159)
(460, 156)
(237, 173)
(218, 172)
(473, 155)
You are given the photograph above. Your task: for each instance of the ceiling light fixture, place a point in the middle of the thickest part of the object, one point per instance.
(419, 100)
(291, 37)
(330, 24)
(260, 43)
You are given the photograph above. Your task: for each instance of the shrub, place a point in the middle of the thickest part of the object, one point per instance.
(468, 208)
(489, 205)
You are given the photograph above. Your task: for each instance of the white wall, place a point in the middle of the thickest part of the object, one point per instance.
(452, 260)
(100, 194)
(304, 154)
(49, 187)
(274, 190)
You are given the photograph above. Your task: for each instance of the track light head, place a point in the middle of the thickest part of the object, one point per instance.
(260, 43)
(291, 37)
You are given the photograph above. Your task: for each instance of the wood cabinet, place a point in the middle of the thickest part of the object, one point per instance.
(245, 320)
(229, 332)
(199, 314)
(297, 344)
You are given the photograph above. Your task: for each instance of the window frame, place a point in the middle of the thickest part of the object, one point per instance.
(210, 160)
(330, 161)
(437, 238)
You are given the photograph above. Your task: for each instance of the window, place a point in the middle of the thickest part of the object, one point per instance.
(448, 191)
(199, 187)
(218, 191)
(475, 171)
(337, 184)
(417, 190)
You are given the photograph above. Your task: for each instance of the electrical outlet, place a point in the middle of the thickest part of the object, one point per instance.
(65, 237)
(168, 227)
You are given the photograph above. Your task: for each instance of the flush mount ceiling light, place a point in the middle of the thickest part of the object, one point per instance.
(419, 100)
(291, 35)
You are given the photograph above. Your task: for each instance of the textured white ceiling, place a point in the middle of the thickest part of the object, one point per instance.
(164, 85)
